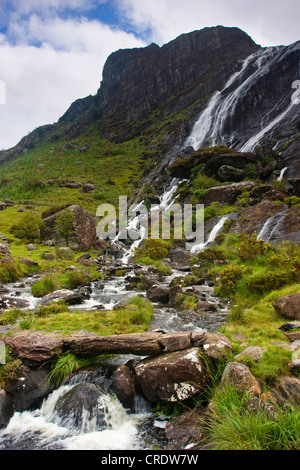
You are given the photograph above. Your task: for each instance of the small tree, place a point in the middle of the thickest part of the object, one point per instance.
(29, 227)
(65, 225)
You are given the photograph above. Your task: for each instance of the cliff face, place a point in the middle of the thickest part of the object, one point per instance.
(181, 74)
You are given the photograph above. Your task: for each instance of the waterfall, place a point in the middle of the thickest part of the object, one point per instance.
(212, 236)
(210, 128)
(166, 201)
(282, 173)
(271, 227)
(45, 429)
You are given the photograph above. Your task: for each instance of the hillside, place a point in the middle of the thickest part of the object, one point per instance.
(210, 118)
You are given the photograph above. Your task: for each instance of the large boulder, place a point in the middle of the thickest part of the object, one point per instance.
(84, 229)
(6, 409)
(158, 294)
(124, 385)
(288, 306)
(188, 429)
(172, 377)
(68, 296)
(79, 406)
(30, 388)
(34, 347)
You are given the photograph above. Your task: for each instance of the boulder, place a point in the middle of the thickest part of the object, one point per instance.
(83, 224)
(203, 306)
(253, 352)
(34, 347)
(288, 306)
(216, 346)
(172, 377)
(289, 388)
(229, 173)
(241, 378)
(188, 429)
(175, 341)
(30, 389)
(123, 384)
(79, 406)
(9, 303)
(6, 409)
(158, 294)
(227, 194)
(68, 296)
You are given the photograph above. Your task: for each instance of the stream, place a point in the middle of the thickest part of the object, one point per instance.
(120, 429)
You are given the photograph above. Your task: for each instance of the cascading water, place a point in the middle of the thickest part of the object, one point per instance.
(214, 125)
(46, 429)
(271, 227)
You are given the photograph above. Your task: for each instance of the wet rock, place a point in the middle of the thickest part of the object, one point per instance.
(30, 389)
(174, 291)
(288, 306)
(8, 303)
(203, 306)
(172, 377)
(270, 192)
(79, 406)
(158, 294)
(241, 378)
(227, 194)
(100, 245)
(6, 409)
(123, 383)
(68, 296)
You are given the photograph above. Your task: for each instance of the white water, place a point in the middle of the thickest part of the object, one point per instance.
(282, 173)
(212, 236)
(49, 431)
(270, 227)
(210, 126)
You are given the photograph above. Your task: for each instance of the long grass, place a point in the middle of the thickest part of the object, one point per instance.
(232, 427)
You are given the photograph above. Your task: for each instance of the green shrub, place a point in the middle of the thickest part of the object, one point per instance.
(292, 201)
(29, 227)
(229, 278)
(9, 271)
(64, 224)
(44, 286)
(77, 279)
(250, 248)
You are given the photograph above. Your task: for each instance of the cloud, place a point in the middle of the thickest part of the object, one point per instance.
(268, 22)
(52, 63)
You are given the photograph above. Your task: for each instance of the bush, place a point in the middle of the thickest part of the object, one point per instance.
(229, 278)
(8, 271)
(266, 282)
(44, 287)
(77, 279)
(30, 227)
(250, 248)
(65, 225)
(154, 249)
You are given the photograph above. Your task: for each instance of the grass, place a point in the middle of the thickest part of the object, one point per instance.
(135, 318)
(232, 427)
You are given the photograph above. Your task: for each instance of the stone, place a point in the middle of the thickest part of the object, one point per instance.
(203, 306)
(172, 377)
(30, 389)
(174, 291)
(9, 303)
(100, 244)
(84, 229)
(68, 296)
(229, 173)
(34, 347)
(216, 346)
(6, 409)
(175, 341)
(188, 429)
(158, 294)
(83, 343)
(123, 384)
(289, 388)
(288, 306)
(79, 406)
(253, 352)
(241, 378)
(28, 262)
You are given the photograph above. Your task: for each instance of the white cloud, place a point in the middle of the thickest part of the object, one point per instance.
(268, 22)
(42, 82)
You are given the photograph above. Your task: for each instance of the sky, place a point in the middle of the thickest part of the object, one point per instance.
(52, 52)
